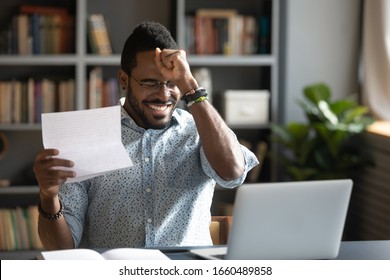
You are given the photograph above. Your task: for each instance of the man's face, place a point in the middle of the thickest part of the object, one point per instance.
(149, 106)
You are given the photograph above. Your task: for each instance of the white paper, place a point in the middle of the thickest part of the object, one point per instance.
(112, 254)
(134, 254)
(90, 138)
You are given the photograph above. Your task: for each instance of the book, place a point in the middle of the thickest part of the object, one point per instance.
(5, 102)
(98, 35)
(264, 44)
(111, 254)
(32, 226)
(17, 101)
(48, 91)
(22, 29)
(249, 35)
(204, 33)
(35, 33)
(30, 100)
(95, 88)
(52, 28)
(66, 95)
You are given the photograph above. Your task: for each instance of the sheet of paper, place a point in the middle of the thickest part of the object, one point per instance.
(90, 138)
(134, 254)
(112, 254)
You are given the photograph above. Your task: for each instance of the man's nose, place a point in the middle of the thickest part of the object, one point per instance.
(165, 89)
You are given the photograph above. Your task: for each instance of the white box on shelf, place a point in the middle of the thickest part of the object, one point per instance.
(246, 107)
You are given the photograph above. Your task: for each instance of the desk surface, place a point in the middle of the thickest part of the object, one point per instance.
(349, 250)
(364, 250)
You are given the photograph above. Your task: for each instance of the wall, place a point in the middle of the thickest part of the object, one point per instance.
(320, 43)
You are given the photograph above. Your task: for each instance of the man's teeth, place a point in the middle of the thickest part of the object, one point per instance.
(158, 107)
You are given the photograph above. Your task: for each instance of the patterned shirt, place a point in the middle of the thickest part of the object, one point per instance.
(164, 199)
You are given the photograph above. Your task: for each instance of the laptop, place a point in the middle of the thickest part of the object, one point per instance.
(286, 220)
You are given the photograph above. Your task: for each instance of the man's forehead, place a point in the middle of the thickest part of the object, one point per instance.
(145, 62)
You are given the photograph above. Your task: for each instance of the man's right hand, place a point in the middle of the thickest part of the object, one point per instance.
(51, 171)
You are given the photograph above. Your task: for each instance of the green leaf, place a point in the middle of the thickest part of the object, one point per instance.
(351, 115)
(327, 112)
(341, 106)
(298, 131)
(317, 92)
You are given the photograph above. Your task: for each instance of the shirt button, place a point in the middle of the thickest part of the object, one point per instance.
(147, 159)
(149, 220)
(148, 189)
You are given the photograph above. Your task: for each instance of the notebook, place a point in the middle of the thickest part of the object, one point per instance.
(286, 220)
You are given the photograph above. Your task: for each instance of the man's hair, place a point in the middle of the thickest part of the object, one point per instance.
(146, 36)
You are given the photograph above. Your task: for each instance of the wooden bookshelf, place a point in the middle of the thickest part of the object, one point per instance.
(236, 71)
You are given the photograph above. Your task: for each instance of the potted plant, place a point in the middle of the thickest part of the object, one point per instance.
(329, 145)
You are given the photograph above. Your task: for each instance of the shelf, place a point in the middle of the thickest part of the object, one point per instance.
(39, 60)
(226, 60)
(19, 196)
(20, 127)
(112, 60)
(211, 60)
(13, 190)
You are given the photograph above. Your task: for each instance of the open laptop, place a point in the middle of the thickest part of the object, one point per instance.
(286, 220)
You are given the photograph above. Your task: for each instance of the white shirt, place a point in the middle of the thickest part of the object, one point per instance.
(163, 200)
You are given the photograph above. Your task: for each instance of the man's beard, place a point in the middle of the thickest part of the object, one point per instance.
(136, 106)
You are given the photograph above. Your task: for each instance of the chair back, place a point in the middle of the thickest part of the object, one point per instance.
(220, 228)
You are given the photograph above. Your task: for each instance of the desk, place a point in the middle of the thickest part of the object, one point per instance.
(349, 250)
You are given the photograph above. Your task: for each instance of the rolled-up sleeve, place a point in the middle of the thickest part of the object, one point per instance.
(74, 197)
(250, 162)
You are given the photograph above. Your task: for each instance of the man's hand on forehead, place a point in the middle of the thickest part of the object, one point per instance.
(172, 64)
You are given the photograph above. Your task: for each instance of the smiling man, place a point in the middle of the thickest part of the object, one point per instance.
(149, 102)
(178, 156)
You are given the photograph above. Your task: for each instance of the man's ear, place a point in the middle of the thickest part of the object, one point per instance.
(123, 79)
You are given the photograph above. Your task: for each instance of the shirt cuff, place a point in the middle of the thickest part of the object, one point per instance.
(250, 162)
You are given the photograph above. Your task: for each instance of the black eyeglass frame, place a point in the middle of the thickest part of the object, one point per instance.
(155, 85)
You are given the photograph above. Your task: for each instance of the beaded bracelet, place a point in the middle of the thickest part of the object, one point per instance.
(51, 217)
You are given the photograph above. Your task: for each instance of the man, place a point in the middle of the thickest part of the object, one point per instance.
(165, 198)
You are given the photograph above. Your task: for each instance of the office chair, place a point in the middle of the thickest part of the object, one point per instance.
(220, 228)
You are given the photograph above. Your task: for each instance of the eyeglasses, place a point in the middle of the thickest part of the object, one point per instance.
(155, 85)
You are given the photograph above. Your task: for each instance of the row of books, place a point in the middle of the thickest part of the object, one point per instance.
(19, 229)
(39, 30)
(102, 92)
(225, 31)
(25, 101)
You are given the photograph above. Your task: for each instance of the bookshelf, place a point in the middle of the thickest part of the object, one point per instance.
(24, 137)
(254, 71)
(237, 71)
